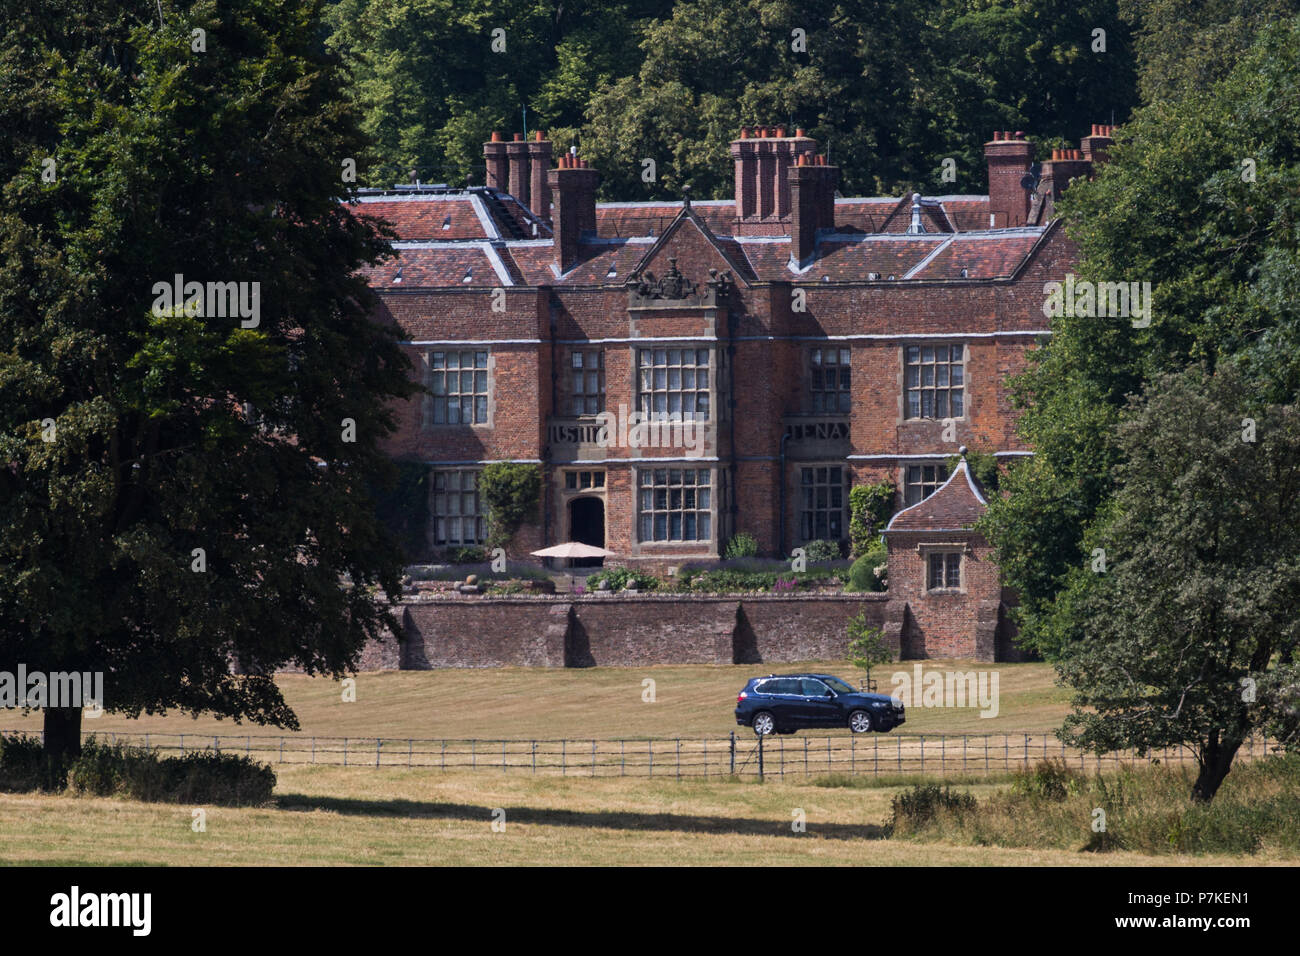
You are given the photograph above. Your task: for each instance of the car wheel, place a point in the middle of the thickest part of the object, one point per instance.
(764, 723)
(860, 722)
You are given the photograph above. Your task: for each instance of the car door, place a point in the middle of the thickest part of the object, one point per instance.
(785, 701)
(818, 703)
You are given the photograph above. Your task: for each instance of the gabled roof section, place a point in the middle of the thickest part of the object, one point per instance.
(729, 253)
(956, 506)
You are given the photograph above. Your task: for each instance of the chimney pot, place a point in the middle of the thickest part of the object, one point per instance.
(496, 136)
(537, 136)
(519, 137)
(780, 132)
(799, 133)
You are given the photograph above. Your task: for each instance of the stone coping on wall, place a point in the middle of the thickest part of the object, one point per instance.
(446, 597)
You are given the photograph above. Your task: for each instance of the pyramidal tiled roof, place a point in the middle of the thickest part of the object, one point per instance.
(955, 506)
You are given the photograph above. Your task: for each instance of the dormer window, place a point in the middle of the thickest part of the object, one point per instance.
(469, 275)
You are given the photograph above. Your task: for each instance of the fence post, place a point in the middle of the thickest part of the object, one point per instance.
(853, 755)
(444, 754)
(622, 758)
(964, 742)
(923, 753)
(503, 756)
(377, 741)
(943, 754)
(146, 743)
(313, 750)
(652, 757)
(593, 758)
(733, 753)
(216, 744)
(534, 756)
(473, 754)
(760, 756)
(805, 756)
(899, 741)
(679, 758)
(1026, 750)
(248, 746)
(345, 751)
(410, 746)
(281, 748)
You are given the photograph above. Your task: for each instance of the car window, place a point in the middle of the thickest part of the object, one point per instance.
(813, 687)
(784, 685)
(839, 685)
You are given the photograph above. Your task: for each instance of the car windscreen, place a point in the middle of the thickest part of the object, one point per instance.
(839, 686)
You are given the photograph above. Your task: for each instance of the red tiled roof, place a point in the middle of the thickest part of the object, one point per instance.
(982, 256)
(956, 505)
(441, 264)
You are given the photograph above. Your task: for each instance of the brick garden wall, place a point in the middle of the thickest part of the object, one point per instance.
(628, 631)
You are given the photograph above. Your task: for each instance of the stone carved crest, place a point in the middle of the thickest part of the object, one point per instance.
(672, 285)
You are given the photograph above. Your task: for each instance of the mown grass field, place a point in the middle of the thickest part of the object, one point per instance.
(358, 816)
(600, 702)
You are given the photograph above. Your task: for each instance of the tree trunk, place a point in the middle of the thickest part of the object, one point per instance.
(62, 739)
(1215, 764)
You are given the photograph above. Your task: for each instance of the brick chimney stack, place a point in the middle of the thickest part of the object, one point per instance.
(517, 155)
(539, 168)
(1096, 143)
(573, 188)
(1009, 156)
(1065, 165)
(812, 201)
(498, 168)
(763, 159)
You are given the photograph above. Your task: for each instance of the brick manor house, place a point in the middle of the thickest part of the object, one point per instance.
(785, 345)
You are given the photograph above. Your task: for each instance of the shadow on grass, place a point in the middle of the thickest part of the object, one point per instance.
(607, 820)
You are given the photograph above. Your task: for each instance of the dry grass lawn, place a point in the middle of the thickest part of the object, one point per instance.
(352, 816)
(600, 702)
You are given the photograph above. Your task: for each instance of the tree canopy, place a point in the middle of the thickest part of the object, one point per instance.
(890, 88)
(184, 489)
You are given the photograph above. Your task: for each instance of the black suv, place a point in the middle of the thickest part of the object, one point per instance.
(786, 703)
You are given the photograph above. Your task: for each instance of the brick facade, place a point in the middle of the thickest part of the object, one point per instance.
(721, 311)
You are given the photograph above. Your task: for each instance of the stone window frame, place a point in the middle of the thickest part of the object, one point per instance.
(578, 487)
(844, 394)
(572, 394)
(963, 551)
(428, 371)
(846, 477)
(644, 400)
(479, 515)
(965, 384)
(903, 483)
(710, 512)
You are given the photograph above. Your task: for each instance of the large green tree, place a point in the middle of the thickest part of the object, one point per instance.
(434, 77)
(181, 490)
(1183, 627)
(1200, 199)
(891, 88)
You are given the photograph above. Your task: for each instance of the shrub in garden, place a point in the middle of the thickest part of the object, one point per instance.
(741, 545)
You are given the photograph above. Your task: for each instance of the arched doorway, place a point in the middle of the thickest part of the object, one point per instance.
(587, 525)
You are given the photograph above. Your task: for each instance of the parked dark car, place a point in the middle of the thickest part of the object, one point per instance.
(785, 703)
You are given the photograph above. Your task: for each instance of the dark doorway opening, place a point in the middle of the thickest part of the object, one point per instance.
(587, 525)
